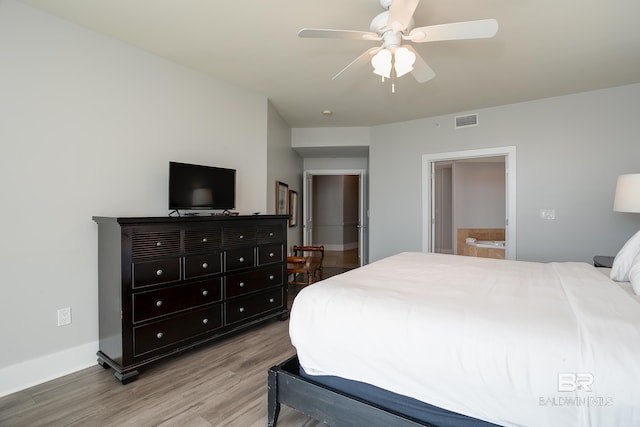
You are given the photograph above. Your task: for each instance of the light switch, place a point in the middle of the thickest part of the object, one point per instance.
(548, 213)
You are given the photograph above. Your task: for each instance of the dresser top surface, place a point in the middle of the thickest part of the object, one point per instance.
(183, 219)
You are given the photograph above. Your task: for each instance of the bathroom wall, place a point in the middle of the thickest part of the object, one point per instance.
(478, 195)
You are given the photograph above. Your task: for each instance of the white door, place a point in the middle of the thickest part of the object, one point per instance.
(307, 209)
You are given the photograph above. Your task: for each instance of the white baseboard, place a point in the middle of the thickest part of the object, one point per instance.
(46, 368)
(349, 246)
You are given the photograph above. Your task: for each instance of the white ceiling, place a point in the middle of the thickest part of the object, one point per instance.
(543, 48)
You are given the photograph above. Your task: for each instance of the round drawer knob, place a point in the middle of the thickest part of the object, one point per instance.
(159, 335)
(271, 254)
(241, 259)
(205, 321)
(241, 236)
(271, 300)
(158, 272)
(241, 284)
(241, 309)
(158, 244)
(204, 240)
(205, 293)
(205, 265)
(159, 303)
(271, 277)
(271, 234)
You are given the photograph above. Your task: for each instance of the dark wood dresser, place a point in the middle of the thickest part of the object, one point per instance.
(168, 284)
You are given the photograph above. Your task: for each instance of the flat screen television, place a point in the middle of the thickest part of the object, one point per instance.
(201, 187)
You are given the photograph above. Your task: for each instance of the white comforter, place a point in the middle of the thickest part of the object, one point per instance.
(503, 341)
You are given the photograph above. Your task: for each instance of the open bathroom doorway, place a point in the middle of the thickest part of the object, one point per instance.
(469, 203)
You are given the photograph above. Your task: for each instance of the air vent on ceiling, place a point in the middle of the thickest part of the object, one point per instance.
(466, 121)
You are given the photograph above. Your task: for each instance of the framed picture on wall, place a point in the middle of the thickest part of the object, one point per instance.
(293, 208)
(282, 198)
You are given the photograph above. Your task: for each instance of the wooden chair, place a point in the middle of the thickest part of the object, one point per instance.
(316, 257)
(299, 270)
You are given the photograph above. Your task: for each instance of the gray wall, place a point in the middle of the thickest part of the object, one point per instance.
(285, 165)
(570, 151)
(328, 207)
(88, 126)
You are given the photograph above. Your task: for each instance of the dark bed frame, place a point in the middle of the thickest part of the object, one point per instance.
(286, 386)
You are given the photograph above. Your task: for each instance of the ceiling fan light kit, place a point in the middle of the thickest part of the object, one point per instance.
(395, 25)
(382, 63)
(404, 60)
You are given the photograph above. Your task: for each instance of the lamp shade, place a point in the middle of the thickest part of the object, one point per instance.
(627, 197)
(382, 63)
(404, 60)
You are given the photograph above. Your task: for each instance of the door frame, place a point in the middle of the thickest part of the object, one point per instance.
(307, 207)
(428, 210)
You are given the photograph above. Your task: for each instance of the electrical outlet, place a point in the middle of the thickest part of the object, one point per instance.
(64, 316)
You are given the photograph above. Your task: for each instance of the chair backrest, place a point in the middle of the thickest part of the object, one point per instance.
(312, 251)
(298, 263)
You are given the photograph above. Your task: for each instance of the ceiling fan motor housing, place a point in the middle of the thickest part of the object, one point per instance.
(386, 4)
(379, 24)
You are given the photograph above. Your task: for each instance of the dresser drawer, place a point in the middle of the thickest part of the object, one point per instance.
(202, 241)
(240, 258)
(202, 265)
(147, 244)
(155, 272)
(246, 307)
(176, 329)
(270, 234)
(269, 254)
(234, 237)
(151, 304)
(244, 283)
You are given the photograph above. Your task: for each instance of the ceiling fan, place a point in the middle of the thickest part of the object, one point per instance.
(393, 26)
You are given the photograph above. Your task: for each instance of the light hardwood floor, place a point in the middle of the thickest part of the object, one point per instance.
(342, 259)
(223, 384)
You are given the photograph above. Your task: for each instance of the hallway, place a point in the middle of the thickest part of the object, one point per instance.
(342, 259)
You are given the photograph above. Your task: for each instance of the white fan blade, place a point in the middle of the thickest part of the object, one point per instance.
(421, 70)
(338, 34)
(400, 14)
(482, 29)
(360, 60)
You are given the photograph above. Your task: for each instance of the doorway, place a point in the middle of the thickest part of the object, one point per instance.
(334, 215)
(479, 198)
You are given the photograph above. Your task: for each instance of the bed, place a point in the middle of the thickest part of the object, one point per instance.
(483, 341)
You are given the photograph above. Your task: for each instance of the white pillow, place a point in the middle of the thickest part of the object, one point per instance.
(623, 260)
(634, 274)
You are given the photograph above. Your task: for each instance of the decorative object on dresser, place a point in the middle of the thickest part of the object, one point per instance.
(168, 284)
